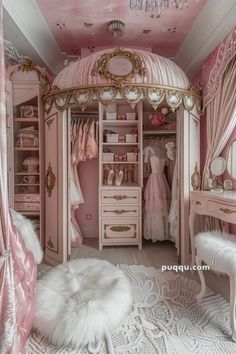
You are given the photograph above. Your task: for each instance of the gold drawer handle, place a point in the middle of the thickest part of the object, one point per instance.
(227, 211)
(119, 197)
(198, 203)
(119, 211)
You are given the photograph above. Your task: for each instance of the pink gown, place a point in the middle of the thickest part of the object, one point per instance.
(157, 202)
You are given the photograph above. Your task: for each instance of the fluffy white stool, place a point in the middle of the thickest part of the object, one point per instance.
(218, 251)
(81, 301)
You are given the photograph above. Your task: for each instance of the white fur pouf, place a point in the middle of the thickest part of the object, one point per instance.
(80, 301)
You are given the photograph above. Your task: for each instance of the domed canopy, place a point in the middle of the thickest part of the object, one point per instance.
(130, 74)
(158, 70)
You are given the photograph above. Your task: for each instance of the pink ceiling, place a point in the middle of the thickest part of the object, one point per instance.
(75, 14)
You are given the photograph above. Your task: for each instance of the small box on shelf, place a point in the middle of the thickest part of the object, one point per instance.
(131, 138)
(112, 138)
(108, 157)
(131, 116)
(132, 156)
(111, 116)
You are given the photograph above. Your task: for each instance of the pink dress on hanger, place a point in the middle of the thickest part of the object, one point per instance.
(157, 202)
(92, 146)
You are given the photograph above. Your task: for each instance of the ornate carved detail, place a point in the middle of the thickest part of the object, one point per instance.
(131, 93)
(50, 244)
(196, 179)
(119, 229)
(50, 180)
(101, 67)
(49, 122)
(27, 66)
(120, 197)
(119, 211)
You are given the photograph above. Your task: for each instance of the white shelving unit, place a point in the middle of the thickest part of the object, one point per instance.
(120, 198)
(26, 142)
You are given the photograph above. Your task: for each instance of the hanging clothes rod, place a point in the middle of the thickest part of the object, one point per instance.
(159, 132)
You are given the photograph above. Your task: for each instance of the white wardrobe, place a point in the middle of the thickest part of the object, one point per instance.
(120, 206)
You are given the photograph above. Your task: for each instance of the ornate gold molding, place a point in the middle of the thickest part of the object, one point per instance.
(27, 66)
(49, 122)
(50, 180)
(227, 211)
(131, 93)
(102, 65)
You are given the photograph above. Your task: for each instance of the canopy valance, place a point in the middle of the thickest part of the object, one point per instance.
(132, 74)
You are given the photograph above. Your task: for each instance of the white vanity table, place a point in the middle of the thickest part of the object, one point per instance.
(221, 205)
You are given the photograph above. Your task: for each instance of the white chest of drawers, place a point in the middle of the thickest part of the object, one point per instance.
(120, 216)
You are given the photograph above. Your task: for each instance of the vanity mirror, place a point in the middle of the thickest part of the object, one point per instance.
(231, 160)
(218, 166)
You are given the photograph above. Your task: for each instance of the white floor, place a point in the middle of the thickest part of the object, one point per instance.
(152, 254)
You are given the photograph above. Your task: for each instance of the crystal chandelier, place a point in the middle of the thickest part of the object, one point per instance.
(150, 7)
(116, 28)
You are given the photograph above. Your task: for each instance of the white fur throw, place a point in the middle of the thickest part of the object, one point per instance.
(27, 231)
(80, 301)
(219, 247)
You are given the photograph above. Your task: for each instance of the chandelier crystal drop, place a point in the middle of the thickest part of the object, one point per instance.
(116, 28)
(150, 7)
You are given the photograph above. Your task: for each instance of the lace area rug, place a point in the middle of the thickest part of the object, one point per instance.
(165, 319)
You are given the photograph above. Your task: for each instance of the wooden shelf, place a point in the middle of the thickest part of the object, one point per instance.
(120, 163)
(123, 185)
(26, 184)
(27, 173)
(29, 213)
(26, 148)
(158, 132)
(121, 144)
(118, 123)
(26, 119)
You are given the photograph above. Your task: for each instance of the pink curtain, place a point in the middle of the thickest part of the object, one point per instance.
(221, 117)
(17, 266)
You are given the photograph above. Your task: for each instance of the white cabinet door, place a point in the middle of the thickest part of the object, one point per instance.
(56, 188)
(189, 156)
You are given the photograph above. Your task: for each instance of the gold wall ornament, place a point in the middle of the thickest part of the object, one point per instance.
(106, 66)
(50, 244)
(27, 66)
(49, 122)
(50, 180)
(227, 211)
(196, 179)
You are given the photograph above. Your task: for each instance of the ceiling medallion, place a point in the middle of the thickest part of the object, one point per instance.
(150, 7)
(116, 28)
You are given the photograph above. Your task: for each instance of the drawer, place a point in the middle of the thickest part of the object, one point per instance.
(27, 206)
(222, 211)
(120, 196)
(121, 210)
(120, 231)
(199, 206)
(27, 197)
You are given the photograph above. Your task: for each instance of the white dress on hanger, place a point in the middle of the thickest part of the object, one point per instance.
(157, 199)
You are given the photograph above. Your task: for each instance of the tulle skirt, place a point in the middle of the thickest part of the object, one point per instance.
(156, 210)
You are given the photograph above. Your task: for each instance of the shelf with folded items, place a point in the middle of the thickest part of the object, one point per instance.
(26, 120)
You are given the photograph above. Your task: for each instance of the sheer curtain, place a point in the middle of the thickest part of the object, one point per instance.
(17, 266)
(221, 117)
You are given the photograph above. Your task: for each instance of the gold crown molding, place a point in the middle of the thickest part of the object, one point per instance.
(131, 93)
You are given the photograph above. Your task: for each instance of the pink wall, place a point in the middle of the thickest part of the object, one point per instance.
(88, 176)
